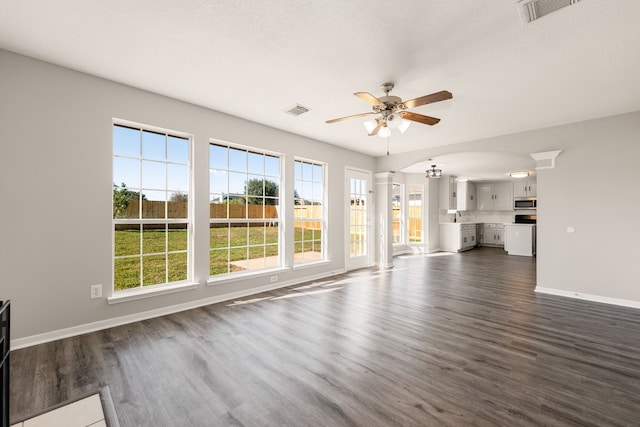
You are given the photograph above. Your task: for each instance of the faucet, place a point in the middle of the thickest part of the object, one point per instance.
(455, 215)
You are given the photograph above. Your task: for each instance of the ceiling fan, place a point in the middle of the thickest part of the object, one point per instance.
(392, 109)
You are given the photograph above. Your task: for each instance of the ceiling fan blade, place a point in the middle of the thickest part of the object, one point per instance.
(367, 97)
(375, 131)
(349, 117)
(428, 99)
(414, 117)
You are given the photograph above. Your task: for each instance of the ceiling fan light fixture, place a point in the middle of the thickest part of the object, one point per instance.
(370, 125)
(384, 132)
(519, 174)
(404, 125)
(433, 172)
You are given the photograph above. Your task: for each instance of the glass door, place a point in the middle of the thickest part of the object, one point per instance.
(358, 218)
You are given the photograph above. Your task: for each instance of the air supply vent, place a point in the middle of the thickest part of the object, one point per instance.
(296, 110)
(530, 10)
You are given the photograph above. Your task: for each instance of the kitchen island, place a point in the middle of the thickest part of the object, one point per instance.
(520, 239)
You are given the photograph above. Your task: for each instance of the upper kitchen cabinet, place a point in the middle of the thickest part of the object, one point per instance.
(467, 200)
(524, 189)
(495, 197)
(448, 193)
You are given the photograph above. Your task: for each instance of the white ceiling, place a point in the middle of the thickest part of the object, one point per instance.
(256, 58)
(478, 166)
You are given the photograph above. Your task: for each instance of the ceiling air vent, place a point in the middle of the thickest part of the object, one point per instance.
(530, 10)
(296, 110)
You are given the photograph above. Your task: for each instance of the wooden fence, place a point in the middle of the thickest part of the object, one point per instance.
(155, 209)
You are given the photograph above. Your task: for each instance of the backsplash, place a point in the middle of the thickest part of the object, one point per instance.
(500, 217)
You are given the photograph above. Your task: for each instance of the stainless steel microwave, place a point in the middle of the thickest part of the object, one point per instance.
(525, 203)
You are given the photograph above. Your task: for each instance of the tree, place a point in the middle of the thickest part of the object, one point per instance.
(121, 197)
(259, 188)
(179, 197)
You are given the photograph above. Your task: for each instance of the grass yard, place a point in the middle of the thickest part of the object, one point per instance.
(156, 256)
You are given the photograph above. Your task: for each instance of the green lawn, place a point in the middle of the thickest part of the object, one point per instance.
(227, 245)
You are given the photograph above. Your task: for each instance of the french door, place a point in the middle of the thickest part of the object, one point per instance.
(358, 238)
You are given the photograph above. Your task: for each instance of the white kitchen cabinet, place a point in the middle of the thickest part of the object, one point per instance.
(493, 235)
(456, 237)
(467, 193)
(520, 239)
(485, 197)
(468, 233)
(448, 193)
(524, 189)
(495, 197)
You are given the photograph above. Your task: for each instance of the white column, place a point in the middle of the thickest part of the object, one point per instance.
(384, 250)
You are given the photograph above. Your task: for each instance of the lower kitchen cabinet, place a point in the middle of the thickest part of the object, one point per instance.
(492, 235)
(520, 239)
(456, 237)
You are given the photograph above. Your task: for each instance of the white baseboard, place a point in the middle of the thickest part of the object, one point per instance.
(588, 297)
(123, 320)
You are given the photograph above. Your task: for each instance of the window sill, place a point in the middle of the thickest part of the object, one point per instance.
(311, 264)
(136, 294)
(244, 276)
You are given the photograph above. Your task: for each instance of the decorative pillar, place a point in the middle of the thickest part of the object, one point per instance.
(383, 212)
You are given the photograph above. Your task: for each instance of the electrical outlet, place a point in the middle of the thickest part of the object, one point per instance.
(96, 291)
(274, 279)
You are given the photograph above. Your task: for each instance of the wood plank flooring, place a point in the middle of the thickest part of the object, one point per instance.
(456, 339)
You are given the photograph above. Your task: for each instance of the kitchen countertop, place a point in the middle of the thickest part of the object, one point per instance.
(478, 222)
(459, 223)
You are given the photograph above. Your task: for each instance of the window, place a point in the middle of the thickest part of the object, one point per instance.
(415, 213)
(151, 219)
(396, 213)
(244, 209)
(308, 218)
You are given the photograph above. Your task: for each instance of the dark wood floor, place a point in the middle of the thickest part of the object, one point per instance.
(457, 339)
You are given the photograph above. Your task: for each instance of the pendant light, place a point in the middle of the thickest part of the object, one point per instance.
(433, 172)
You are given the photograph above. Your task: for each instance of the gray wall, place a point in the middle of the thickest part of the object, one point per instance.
(594, 188)
(56, 186)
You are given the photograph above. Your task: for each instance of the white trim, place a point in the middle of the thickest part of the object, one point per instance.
(239, 276)
(222, 142)
(588, 297)
(117, 321)
(311, 264)
(140, 293)
(545, 160)
(128, 123)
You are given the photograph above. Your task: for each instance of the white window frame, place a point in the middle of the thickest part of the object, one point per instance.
(323, 211)
(143, 290)
(420, 211)
(231, 275)
(402, 231)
